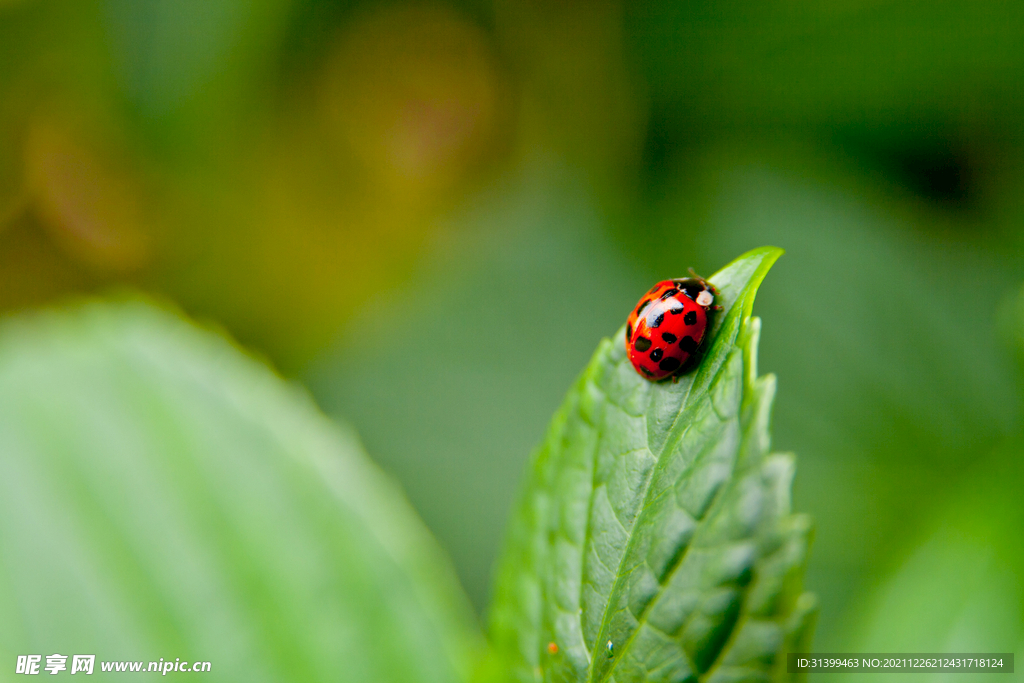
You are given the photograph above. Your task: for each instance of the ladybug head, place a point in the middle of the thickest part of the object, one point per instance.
(698, 289)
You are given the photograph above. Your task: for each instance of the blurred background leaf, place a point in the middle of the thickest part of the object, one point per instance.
(461, 198)
(487, 335)
(958, 590)
(164, 496)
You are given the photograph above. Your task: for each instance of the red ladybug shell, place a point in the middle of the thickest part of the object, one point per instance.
(668, 326)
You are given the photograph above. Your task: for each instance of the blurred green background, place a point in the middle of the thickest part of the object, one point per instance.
(430, 213)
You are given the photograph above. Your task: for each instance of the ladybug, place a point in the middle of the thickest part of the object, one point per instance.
(668, 326)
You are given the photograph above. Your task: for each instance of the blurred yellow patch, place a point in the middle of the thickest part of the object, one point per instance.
(412, 92)
(91, 204)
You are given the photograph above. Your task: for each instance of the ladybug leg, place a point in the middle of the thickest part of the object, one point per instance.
(717, 307)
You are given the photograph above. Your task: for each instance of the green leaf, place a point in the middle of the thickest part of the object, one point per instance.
(654, 540)
(957, 587)
(164, 496)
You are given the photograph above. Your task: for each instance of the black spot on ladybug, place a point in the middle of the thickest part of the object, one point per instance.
(656, 355)
(669, 294)
(669, 337)
(675, 308)
(690, 318)
(642, 344)
(670, 364)
(629, 331)
(688, 344)
(654, 289)
(657, 321)
(647, 372)
(642, 306)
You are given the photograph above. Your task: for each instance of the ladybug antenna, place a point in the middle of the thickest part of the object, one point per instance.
(695, 276)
